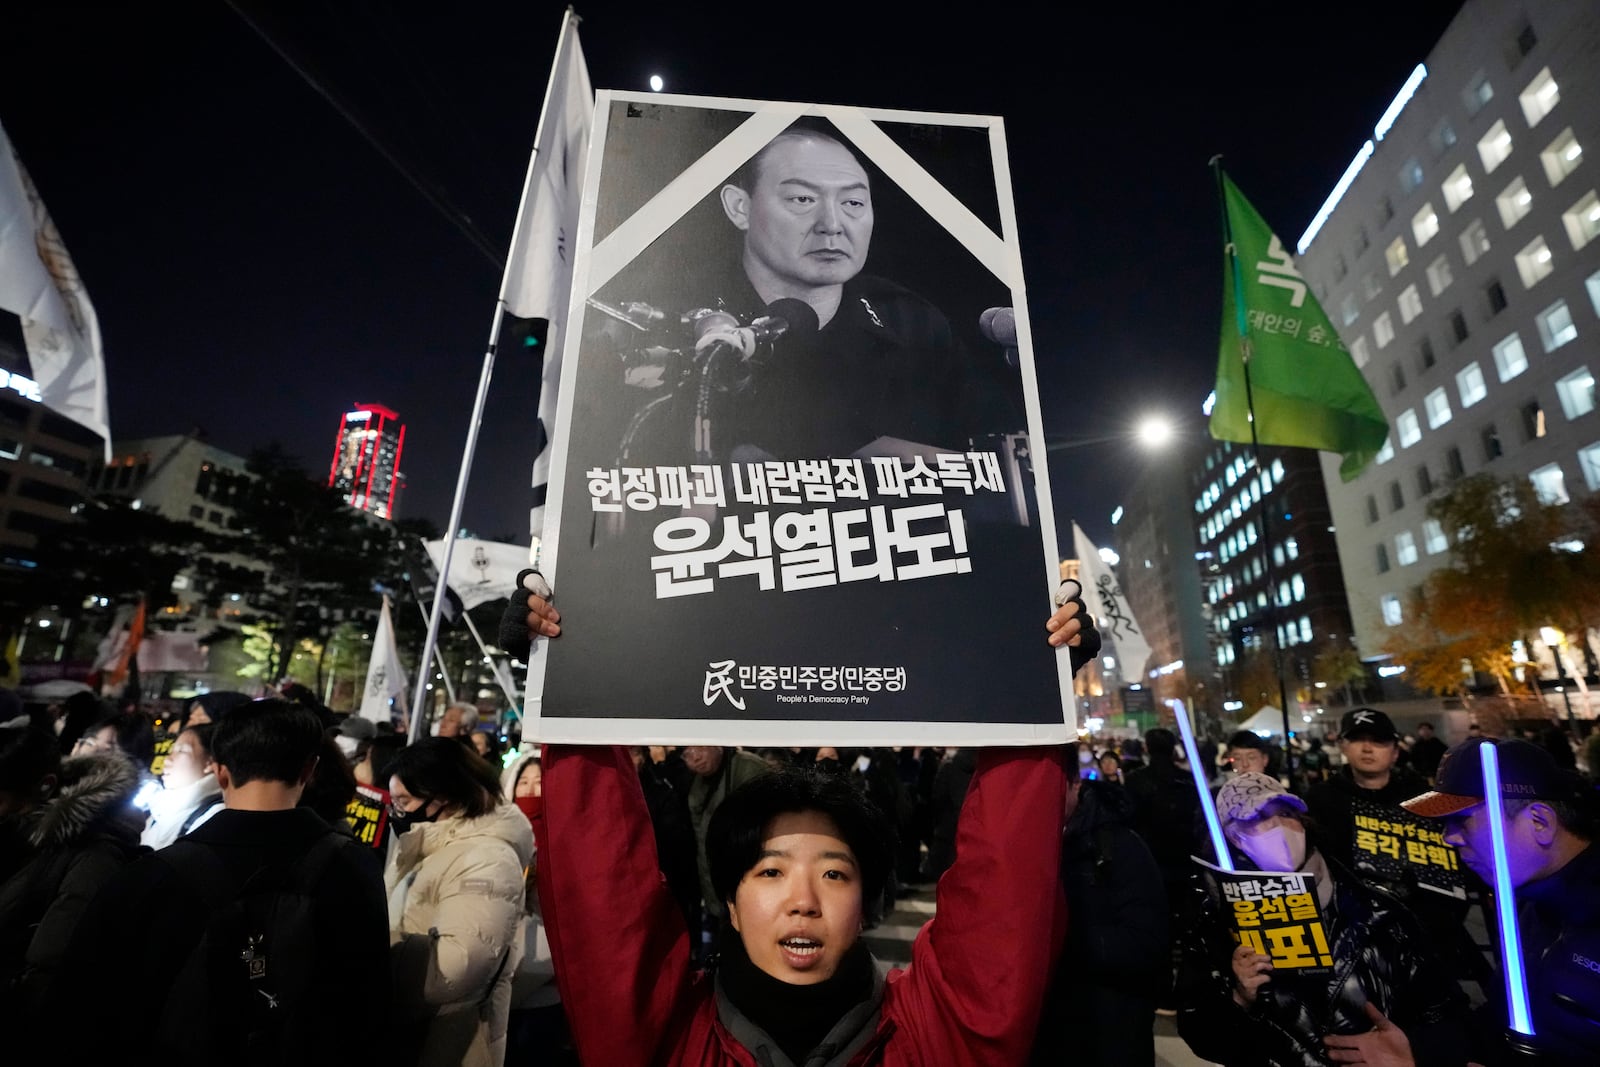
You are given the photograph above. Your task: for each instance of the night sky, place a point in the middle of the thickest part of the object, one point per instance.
(257, 265)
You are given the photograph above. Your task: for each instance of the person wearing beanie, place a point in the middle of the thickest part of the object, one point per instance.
(1386, 998)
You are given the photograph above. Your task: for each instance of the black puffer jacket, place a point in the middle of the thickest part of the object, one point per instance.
(1379, 955)
(82, 836)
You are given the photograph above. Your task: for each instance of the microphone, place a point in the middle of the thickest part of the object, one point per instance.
(999, 325)
(784, 318)
(789, 316)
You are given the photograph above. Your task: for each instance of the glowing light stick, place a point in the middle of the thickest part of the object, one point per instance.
(1203, 787)
(1504, 896)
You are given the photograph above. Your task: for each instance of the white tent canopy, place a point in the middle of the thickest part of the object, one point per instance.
(1266, 720)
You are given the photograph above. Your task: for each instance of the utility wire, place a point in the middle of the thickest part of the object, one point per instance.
(430, 190)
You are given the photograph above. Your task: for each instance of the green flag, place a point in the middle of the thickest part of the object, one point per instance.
(1307, 391)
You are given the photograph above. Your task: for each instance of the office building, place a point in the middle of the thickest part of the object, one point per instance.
(1459, 258)
(366, 459)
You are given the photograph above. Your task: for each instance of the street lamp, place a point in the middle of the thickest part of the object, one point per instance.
(1155, 431)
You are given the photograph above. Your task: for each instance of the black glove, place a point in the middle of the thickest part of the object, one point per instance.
(514, 636)
(1088, 646)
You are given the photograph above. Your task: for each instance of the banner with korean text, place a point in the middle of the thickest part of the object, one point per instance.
(1277, 914)
(793, 496)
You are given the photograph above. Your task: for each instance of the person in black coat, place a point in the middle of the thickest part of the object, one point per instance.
(1166, 810)
(1102, 1000)
(949, 793)
(84, 832)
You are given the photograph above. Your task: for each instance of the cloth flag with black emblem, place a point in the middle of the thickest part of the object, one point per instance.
(481, 571)
(386, 675)
(1103, 595)
(538, 280)
(39, 283)
(1301, 387)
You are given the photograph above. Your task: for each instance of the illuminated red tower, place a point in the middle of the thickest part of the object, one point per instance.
(366, 458)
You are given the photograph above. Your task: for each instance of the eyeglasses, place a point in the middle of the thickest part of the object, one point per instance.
(396, 811)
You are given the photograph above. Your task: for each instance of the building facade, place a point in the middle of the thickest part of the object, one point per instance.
(366, 459)
(1155, 541)
(1269, 566)
(44, 460)
(1459, 258)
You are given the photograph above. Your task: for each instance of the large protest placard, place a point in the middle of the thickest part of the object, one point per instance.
(793, 495)
(1398, 846)
(1277, 914)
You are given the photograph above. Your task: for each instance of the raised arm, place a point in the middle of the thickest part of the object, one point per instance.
(620, 947)
(980, 968)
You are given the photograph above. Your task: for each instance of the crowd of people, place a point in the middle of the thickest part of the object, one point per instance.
(267, 878)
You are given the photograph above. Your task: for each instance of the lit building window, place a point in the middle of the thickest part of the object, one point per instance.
(1577, 393)
(1293, 547)
(1305, 629)
(1297, 585)
(1457, 188)
(1539, 98)
(1439, 276)
(1474, 241)
(1407, 427)
(1438, 407)
(1405, 548)
(1589, 460)
(1392, 614)
(1386, 453)
(1477, 93)
(1410, 304)
(1425, 225)
(1582, 220)
(1561, 157)
(1277, 471)
(1514, 202)
(1509, 358)
(1495, 147)
(1396, 256)
(1358, 351)
(1534, 262)
(1549, 483)
(1593, 285)
(1556, 327)
(1434, 537)
(1383, 330)
(1349, 310)
(1470, 385)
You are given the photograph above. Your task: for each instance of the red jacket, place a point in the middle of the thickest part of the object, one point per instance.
(979, 970)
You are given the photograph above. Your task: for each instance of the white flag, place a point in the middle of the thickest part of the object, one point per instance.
(386, 676)
(1114, 616)
(39, 283)
(481, 571)
(538, 279)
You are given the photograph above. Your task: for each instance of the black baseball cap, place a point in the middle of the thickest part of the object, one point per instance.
(1369, 723)
(1527, 772)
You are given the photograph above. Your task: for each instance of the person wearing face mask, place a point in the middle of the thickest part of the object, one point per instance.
(190, 793)
(456, 902)
(1387, 1000)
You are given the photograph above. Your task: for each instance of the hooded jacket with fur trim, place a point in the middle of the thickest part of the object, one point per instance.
(85, 833)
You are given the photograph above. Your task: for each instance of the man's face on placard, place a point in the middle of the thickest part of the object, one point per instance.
(808, 218)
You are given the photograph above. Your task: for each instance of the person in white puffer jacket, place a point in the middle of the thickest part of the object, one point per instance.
(456, 888)
(190, 791)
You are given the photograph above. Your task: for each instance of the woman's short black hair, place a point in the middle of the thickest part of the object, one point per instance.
(135, 736)
(203, 732)
(739, 827)
(442, 768)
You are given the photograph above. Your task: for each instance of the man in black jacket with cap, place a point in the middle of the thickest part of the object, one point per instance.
(1550, 826)
(1371, 747)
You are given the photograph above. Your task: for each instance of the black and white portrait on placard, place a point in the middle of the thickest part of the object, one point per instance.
(794, 458)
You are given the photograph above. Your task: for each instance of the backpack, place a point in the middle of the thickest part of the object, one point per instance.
(249, 978)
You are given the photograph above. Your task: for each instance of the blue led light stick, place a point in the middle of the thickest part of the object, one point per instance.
(1203, 787)
(1504, 897)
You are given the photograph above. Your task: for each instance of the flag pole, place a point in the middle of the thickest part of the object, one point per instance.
(438, 656)
(451, 530)
(1242, 324)
(494, 668)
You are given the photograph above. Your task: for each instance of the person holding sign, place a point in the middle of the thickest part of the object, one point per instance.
(1363, 986)
(798, 857)
(1550, 825)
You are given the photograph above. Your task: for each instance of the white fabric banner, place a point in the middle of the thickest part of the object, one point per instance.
(386, 675)
(538, 280)
(1103, 594)
(481, 571)
(39, 283)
